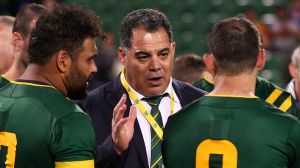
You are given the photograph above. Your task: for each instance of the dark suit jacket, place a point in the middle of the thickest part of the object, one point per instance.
(100, 104)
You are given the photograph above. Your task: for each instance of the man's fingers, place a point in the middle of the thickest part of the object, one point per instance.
(132, 115)
(119, 105)
(120, 113)
(120, 124)
(127, 122)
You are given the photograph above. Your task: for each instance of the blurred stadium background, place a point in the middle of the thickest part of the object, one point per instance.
(191, 20)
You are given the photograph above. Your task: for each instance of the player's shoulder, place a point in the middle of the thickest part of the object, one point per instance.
(275, 95)
(276, 113)
(186, 88)
(46, 97)
(188, 110)
(3, 81)
(26, 89)
(263, 84)
(204, 84)
(61, 106)
(40, 97)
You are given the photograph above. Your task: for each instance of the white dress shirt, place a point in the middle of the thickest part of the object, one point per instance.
(291, 88)
(165, 110)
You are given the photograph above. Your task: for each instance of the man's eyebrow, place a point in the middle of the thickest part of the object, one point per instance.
(165, 49)
(93, 56)
(142, 52)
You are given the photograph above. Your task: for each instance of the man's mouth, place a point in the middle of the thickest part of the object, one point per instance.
(154, 82)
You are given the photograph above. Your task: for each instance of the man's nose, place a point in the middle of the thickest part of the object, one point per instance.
(154, 64)
(93, 67)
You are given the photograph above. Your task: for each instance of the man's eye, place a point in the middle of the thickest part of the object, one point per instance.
(164, 54)
(91, 61)
(142, 57)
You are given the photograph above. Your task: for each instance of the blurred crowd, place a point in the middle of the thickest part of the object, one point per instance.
(56, 63)
(280, 32)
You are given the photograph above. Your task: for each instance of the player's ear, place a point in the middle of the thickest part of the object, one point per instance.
(210, 63)
(17, 40)
(260, 64)
(122, 55)
(63, 61)
(293, 70)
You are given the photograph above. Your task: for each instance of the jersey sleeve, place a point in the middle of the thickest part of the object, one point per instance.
(73, 142)
(3, 81)
(293, 109)
(204, 84)
(293, 145)
(276, 96)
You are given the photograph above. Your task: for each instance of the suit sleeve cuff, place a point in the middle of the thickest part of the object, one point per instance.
(107, 155)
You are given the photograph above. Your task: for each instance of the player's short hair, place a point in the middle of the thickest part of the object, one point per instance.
(235, 44)
(64, 28)
(149, 19)
(188, 68)
(25, 16)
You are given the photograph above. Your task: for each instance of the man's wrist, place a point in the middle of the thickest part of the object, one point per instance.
(118, 151)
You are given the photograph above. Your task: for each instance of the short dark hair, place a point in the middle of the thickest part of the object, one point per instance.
(235, 44)
(25, 16)
(150, 19)
(188, 68)
(64, 28)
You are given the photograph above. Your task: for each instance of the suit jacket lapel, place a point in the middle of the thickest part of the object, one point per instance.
(178, 92)
(139, 144)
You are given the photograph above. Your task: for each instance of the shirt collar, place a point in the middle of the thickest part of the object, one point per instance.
(291, 88)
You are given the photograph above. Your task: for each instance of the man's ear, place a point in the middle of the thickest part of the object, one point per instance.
(17, 40)
(293, 70)
(210, 63)
(260, 64)
(63, 61)
(173, 48)
(122, 55)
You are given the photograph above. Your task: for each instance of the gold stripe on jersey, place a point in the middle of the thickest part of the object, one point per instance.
(286, 104)
(5, 77)
(75, 164)
(31, 84)
(208, 80)
(274, 96)
(224, 95)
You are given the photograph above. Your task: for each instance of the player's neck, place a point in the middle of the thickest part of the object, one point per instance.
(297, 90)
(16, 70)
(239, 85)
(44, 74)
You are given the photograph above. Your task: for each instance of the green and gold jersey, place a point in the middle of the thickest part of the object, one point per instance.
(264, 90)
(204, 84)
(40, 127)
(233, 132)
(3, 81)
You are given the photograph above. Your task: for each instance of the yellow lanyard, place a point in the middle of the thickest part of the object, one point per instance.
(147, 115)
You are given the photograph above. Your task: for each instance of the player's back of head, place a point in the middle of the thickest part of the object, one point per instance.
(235, 44)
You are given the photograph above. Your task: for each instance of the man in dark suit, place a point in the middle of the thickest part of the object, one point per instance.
(147, 53)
